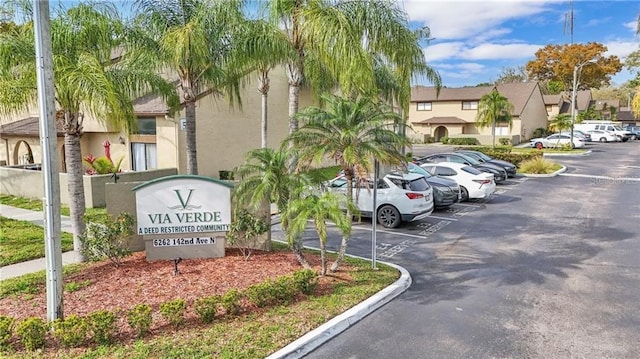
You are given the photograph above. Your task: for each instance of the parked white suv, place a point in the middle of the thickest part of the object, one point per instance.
(400, 197)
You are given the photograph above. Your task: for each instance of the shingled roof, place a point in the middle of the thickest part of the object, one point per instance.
(28, 127)
(447, 120)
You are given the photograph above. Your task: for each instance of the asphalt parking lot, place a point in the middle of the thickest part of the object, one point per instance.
(545, 268)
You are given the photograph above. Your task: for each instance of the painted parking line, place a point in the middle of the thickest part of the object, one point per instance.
(445, 218)
(467, 205)
(389, 232)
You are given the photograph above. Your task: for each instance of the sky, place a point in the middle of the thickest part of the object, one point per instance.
(473, 41)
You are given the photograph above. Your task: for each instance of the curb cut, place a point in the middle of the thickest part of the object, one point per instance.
(340, 323)
(554, 174)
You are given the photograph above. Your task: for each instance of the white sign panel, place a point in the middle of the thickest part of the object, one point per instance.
(183, 204)
(173, 242)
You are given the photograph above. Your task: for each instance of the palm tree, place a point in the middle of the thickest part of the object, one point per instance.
(86, 79)
(353, 133)
(334, 41)
(265, 179)
(194, 40)
(262, 47)
(493, 108)
(560, 122)
(318, 208)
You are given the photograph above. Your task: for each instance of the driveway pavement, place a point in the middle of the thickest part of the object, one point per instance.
(546, 268)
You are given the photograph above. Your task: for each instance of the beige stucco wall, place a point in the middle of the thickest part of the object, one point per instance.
(534, 115)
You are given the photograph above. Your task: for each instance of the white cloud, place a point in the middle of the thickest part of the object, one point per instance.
(500, 51)
(442, 51)
(631, 25)
(462, 19)
(620, 48)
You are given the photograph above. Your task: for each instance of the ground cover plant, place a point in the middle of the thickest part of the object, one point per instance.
(22, 241)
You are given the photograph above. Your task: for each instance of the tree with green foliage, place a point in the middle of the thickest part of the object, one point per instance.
(560, 122)
(494, 108)
(264, 178)
(193, 39)
(318, 208)
(352, 132)
(86, 80)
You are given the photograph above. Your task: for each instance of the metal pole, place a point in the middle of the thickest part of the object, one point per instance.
(573, 100)
(374, 217)
(48, 141)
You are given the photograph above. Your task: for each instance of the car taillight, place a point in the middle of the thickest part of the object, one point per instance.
(485, 181)
(414, 195)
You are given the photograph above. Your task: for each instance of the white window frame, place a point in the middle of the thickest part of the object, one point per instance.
(469, 105)
(423, 106)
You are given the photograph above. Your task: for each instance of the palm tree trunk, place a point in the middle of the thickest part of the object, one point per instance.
(296, 245)
(293, 73)
(263, 88)
(323, 255)
(493, 132)
(345, 238)
(75, 184)
(192, 153)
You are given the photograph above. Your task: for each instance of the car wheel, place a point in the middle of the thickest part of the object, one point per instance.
(603, 139)
(539, 145)
(464, 194)
(389, 217)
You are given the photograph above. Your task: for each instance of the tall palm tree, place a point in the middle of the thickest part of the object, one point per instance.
(560, 122)
(318, 208)
(193, 39)
(493, 108)
(85, 79)
(265, 179)
(335, 39)
(353, 133)
(262, 46)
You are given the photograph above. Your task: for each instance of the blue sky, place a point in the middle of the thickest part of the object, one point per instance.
(474, 40)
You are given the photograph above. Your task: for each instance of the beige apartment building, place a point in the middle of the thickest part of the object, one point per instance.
(224, 134)
(452, 112)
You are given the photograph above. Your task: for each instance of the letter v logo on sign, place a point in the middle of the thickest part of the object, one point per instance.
(184, 204)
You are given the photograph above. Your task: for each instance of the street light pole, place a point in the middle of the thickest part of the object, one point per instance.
(576, 70)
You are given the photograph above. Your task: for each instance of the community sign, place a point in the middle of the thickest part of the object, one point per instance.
(183, 216)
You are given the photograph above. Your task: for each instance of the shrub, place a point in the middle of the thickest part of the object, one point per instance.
(108, 239)
(32, 332)
(6, 329)
(504, 141)
(207, 308)
(70, 331)
(540, 132)
(139, 319)
(538, 165)
(244, 231)
(102, 327)
(271, 292)
(173, 311)
(444, 140)
(463, 141)
(231, 302)
(305, 280)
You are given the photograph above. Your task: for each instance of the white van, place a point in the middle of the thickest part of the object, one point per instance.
(610, 126)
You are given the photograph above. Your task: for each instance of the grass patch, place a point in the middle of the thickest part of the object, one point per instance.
(538, 166)
(36, 205)
(32, 283)
(22, 241)
(575, 151)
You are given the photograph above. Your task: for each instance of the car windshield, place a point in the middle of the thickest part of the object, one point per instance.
(419, 170)
(483, 156)
(470, 159)
(471, 170)
(419, 184)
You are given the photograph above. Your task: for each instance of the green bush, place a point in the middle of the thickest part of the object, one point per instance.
(207, 308)
(173, 311)
(70, 331)
(231, 302)
(32, 332)
(504, 141)
(6, 329)
(305, 280)
(139, 319)
(271, 292)
(538, 165)
(444, 140)
(102, 327)
(463, 141)
(540, 132)
(108, 239)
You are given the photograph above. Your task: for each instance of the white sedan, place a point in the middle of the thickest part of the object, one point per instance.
(473, 183)
(603, 136)
(556, 140)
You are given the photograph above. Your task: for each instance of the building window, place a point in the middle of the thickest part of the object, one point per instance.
(469, 105)
(146, 126)
(424, 106)
(502, 130)
(144, 156)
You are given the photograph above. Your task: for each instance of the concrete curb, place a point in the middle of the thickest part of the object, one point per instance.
(587, 152)
(533, 175)
(340, 323)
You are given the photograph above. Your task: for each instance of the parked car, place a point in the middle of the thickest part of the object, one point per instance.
(602, 125)
(509, 167)
(578, 133)
(556, 140)
(604, 136)
(473, 182)
(634, 132)
(445, 191)
(400, 197)
(498, 172)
